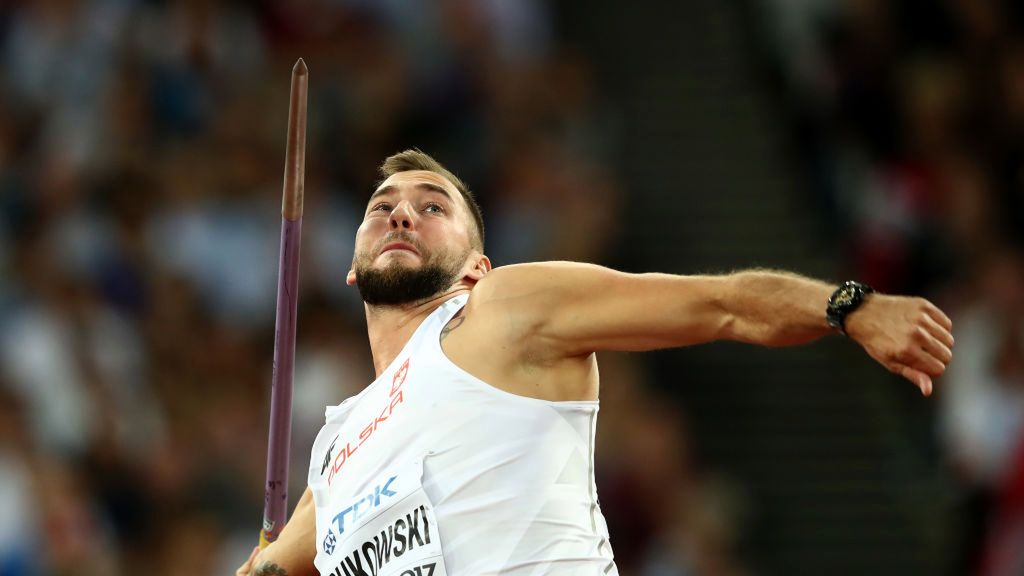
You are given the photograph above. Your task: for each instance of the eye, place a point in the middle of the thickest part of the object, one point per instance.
(383, 206)
(433, 207)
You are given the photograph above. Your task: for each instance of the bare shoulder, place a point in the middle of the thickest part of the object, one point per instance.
(512, 279)
(498, 336)
(505, 310)
(523, 286)
(512, 297)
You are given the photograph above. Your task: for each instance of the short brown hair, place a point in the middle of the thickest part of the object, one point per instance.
(415, 159)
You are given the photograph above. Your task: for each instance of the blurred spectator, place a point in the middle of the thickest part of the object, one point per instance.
(20, 536)
(983, 401)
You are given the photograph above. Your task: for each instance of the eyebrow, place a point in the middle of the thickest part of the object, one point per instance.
(422, 185)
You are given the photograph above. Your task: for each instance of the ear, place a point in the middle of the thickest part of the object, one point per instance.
(350, 278)
(480, 266)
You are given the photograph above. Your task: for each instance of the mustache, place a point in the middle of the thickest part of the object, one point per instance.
(400, 236)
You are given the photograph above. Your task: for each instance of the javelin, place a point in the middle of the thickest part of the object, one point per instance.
(275, 504)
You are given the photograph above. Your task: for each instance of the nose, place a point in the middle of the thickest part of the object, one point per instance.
(401, 217)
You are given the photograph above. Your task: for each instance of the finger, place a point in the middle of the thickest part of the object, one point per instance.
(940, 333)
(932, 346)
(938, 315)
(918, 378)
(247, 567)
(917, 358)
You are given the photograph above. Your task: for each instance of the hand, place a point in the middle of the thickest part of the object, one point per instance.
(244, 569)
(909, 336)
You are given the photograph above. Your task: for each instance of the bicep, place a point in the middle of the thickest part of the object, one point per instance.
(576, 309)
(293, 552)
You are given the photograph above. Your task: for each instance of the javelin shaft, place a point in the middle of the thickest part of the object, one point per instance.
(275, 509)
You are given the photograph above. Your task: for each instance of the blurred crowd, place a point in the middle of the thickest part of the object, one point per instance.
(909, 123)
(141, 161)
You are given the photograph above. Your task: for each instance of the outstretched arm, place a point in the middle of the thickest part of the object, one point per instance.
(293, 551)
(575, 309)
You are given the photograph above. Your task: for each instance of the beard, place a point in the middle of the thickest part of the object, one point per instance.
(397, 284)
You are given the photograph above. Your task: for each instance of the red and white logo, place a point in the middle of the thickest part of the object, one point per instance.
(394, 400)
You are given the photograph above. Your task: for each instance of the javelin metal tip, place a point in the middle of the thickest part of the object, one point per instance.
(300, 67)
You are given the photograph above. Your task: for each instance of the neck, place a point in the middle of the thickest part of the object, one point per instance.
(391, 327)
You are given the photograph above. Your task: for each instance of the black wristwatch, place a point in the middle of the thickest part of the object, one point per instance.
(847, 298)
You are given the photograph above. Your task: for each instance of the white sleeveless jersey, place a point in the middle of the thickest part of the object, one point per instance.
(432, 472)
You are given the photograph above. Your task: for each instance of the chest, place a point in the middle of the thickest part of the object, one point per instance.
(360, 435)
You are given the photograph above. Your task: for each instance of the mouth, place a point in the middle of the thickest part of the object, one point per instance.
(392, 246)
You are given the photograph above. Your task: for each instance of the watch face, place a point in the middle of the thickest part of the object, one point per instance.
(845, 296)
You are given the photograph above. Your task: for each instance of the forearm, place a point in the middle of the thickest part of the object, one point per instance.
(775, 308)
(267, 568)
(293, 552)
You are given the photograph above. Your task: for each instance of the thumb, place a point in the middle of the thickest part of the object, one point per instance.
(918, 378)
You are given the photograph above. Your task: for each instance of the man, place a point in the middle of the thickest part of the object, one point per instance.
(472, 451)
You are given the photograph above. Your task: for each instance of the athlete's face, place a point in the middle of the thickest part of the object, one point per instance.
(414, 241)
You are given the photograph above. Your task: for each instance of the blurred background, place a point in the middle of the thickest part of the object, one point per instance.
(141, 161)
